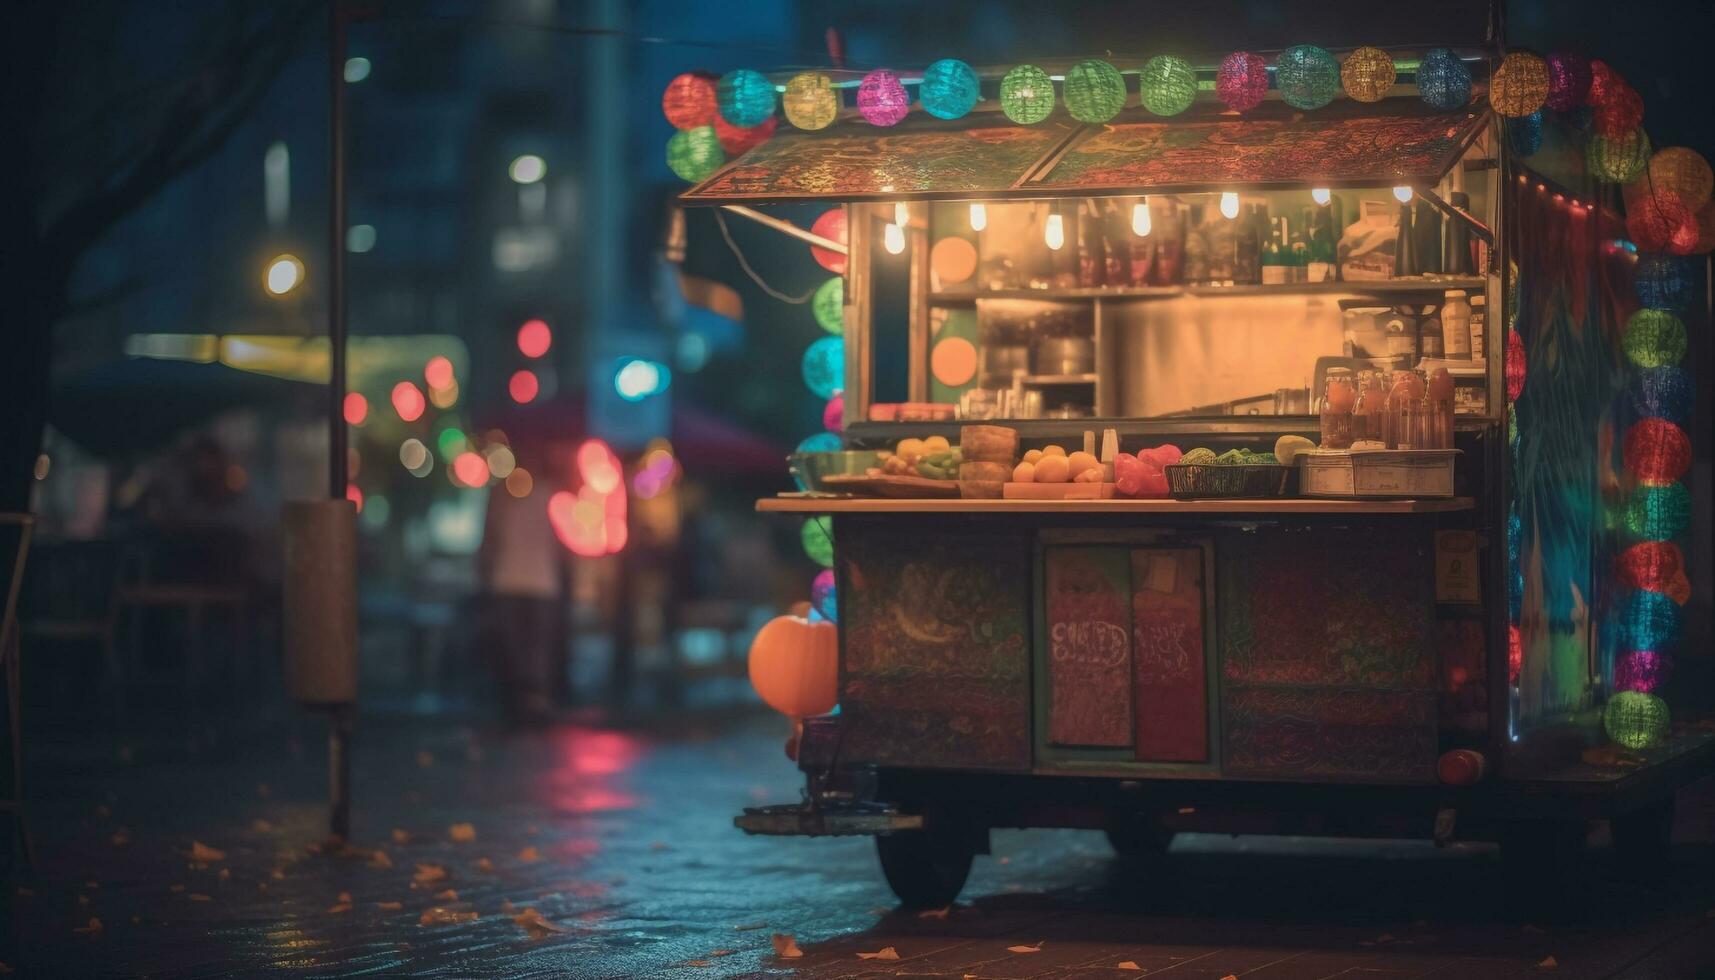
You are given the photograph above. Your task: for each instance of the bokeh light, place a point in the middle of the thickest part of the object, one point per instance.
(534, 338)
(519, 483)
(470, 469)
(438, 372)
(527, 169)
(408, 401)
(283, 274)
(523, 386)
(355, 408)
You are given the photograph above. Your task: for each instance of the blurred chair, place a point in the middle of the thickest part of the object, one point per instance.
(9, 653)
(187, 571)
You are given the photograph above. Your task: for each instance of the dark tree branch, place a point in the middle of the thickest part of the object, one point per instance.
(207, 113)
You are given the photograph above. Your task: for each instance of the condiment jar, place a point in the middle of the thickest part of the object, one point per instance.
(1339, 398)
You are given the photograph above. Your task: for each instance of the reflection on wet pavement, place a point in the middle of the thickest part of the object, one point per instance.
(597, 852)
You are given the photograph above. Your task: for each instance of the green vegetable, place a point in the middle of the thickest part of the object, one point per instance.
(1198, 457)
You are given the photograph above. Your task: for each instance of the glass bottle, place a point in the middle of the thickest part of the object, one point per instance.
(1372, 403)
(1339, 399)
(1404, 245)
(1403, 410)
(1440, 410)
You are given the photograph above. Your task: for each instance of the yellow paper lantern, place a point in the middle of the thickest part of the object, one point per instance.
(1520, 85)
(1682, 171)
(1368, 74)
(795, 666)
(810, 101)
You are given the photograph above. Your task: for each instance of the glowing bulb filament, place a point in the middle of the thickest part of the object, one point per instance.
(1402, 194)
(901, 214)
(1054, 232)
(1321, 195)
(894, 239)
(979, 217)
(1140, 218)
(1230, 205)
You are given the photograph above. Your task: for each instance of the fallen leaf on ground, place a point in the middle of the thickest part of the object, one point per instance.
(531, 921)
(940, 913)
(339, 907)
(1548, 963)
(261, 826)
(529, 854)
(102, 810)
(462, 833)
(786, 947)
(343, 897)
(380, 860)
(1025, 949)
(262, 790)
(1127, 965)
(439, 916)
(278, 874)
(484, 865)
(203, 852)
(401, 836)
(717, 953)
(1386, 937)
(389, 906)
(93, 927)
(507, 906)
(425, 759)
(1230, 977)
(121, 837)
(448, 895)
(885, 953)
(261, 886)
(698, 963)
(429, 873)
(199, 897)
(175, 888)
(83, 900)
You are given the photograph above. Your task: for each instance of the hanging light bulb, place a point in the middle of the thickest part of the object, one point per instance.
(901, 214)
(1140, 218)
(1229, 205)
(1321, 195)
(1402, 194)
(894, 239)
(1054, 232)
(979, 216)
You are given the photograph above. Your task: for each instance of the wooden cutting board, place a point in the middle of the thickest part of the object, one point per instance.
(1057, 491)
(903, 487)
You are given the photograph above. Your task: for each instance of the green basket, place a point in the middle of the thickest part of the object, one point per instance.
(1202, 480)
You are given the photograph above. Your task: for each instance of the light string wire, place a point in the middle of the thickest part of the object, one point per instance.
(744, 263)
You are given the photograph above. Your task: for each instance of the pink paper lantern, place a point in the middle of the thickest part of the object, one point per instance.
(881, 98)
(834, 414)
(1242, 80)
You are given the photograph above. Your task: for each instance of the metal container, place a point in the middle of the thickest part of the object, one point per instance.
(808, 469)
(1065, 355)
(1002, 361)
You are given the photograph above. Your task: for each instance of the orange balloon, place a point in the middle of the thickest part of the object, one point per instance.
(795, 666)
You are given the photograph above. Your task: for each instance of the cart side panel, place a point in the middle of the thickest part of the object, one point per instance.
(1328, 654)
(935, 662)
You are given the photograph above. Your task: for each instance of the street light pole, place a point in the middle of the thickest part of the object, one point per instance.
(340, 715)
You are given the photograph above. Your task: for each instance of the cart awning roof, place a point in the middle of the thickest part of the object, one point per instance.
(985, 155)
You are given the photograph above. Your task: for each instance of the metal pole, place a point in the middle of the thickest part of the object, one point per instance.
(340, 716)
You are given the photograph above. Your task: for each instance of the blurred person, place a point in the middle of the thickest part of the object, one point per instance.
(524, 571)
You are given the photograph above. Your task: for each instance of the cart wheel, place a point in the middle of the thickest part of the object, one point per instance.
(1643, 836)
(925, 870)
(1137, 837)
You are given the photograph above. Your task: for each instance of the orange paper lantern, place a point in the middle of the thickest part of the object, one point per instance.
(795, 666)
(1519, 86)
(1682, 171)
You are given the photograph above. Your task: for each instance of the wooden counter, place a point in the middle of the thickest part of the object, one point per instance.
(1259, 507)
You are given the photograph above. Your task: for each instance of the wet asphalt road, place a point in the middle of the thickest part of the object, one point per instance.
(621, 841)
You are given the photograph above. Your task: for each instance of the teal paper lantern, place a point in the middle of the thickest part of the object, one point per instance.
(1654, 338)
(1650, 621)
(824, 366)
(821, 442)
(817, 537)
(746, 98)
(1095, 91)
(695, 154)
(1443, 79)
(1636, 720)
(1168, 85)
(1027, 95)
(949, 89)
(1308, 76)
(1659, 513)
(829, 306)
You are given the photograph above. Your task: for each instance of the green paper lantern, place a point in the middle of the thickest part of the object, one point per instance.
(1636, 720)
(1168, 85)
(1027, 95)
(1095, 91)
(817, 536)
(829, 306)
(1659, 513)
(1654, 338)
(1308, 76)
(746, 98)
(1618, 159)
(695, 154)
(949, 89)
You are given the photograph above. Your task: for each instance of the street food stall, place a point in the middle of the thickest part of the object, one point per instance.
(1293, 444)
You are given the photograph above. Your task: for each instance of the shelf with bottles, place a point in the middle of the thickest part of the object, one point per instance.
(1414, 284)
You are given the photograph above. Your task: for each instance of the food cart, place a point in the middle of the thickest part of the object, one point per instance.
(1506, 643)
